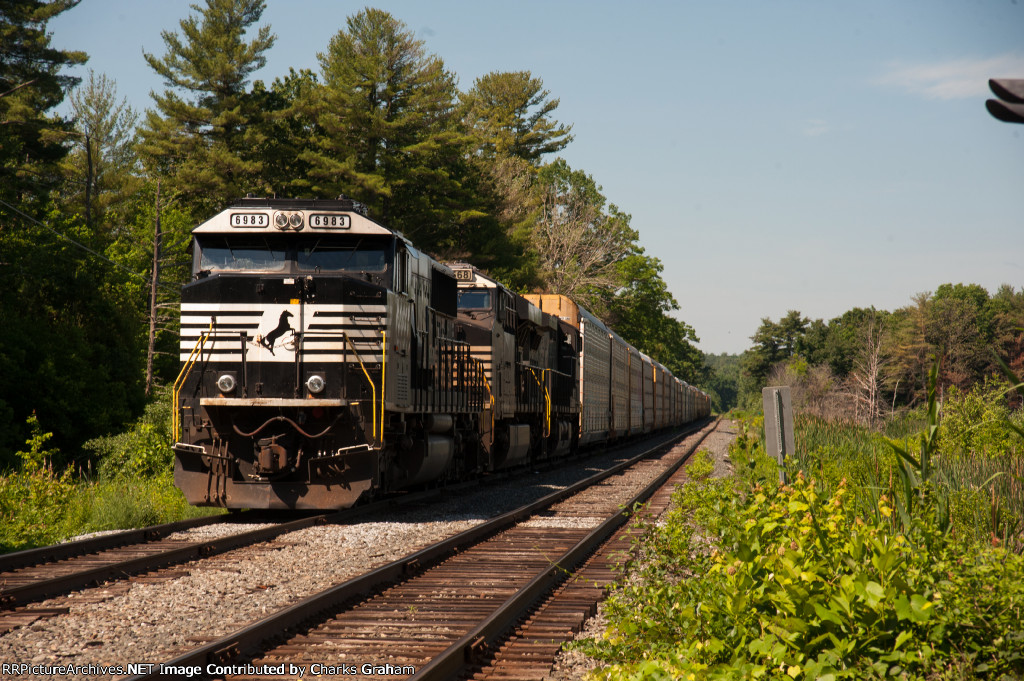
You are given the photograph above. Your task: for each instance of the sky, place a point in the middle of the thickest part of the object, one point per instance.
(774, 155)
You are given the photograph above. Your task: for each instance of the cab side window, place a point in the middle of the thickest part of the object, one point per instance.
(402, 270)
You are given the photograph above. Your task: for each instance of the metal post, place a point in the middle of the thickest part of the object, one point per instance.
(778, 425)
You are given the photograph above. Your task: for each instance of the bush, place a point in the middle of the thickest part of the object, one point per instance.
(797, 586)
(143, 450)
(34, 500)
(40, 506)
(976, 422)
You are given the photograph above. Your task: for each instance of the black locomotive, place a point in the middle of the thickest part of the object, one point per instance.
(326, 360)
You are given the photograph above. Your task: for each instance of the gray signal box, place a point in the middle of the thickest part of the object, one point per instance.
(778, 425)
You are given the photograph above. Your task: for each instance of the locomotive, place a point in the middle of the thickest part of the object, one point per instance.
(325, 360)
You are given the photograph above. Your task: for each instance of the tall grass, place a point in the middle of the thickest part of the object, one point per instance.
(978, 491)
(987, 497)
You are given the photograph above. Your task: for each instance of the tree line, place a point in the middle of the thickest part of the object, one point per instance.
(867, 363)
(97, 205)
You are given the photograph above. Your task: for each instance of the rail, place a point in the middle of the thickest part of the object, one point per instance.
(139, 551)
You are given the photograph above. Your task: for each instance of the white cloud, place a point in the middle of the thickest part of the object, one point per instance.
(815, 127)
(953, 79)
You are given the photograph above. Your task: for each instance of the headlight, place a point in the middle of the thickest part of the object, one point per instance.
(295, 220)
(315, 384)
(226, 383)
(281, 221)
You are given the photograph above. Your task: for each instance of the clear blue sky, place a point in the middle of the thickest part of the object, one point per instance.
(815, 156)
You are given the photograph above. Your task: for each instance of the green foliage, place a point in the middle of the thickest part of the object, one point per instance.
(71, 348)
(977, 421)
(641, 311)
(34, 500)
(844, 337)
(39, 505)
(877, 352)
(386, 133)
(580, 239)
(878, 561)
(102, 168)
(287, 126)
(918, 474)
(142, 451)
(31, 85)
(701, 466)
(722, 381)
(774, 343)
(152, 501)
(509, 113)
(798, 584)
(206, 131)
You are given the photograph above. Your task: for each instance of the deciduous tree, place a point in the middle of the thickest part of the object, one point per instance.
(641, 312)
(579, 240)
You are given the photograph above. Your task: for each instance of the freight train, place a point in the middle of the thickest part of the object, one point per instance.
(326, 360)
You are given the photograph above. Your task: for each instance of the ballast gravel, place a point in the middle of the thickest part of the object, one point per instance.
(151, 621)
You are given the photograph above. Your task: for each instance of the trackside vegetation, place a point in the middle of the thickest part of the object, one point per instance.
(40, 503)
(887, 555)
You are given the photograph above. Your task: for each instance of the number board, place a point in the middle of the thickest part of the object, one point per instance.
(330, 221)
(463, 275)
(250, 220)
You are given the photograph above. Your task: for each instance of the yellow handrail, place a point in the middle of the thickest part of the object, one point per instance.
(179, 382)
(383, 381)
(547, 399)
(487, 384)
(373, 387)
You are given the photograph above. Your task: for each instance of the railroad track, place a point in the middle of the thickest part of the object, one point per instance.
(495, 601)
(38, 574)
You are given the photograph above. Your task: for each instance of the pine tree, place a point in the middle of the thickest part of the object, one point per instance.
(388, 134)
(33, 141)
(510, 114)
(102, 166)
(207, 129)
(508, 118)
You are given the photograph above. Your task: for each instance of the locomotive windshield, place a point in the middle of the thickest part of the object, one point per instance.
(474, 299)
(219, 254)
(287, 253)
(327, 255)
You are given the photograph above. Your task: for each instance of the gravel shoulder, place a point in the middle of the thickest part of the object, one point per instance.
(572, 665)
